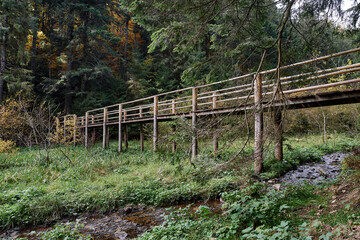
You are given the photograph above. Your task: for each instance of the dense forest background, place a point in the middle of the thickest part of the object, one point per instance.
(70, 56)
(80, 55)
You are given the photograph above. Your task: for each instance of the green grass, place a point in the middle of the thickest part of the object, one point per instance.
(71, 181)
(38, 186)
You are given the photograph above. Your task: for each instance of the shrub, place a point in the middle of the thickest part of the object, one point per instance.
(12, 121)
(25, 121)
(7, 146)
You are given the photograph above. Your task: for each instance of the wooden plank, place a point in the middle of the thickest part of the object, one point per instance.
(173, 111)
(259, 124)
(155, 129)
(194, 142)
(322, 86)
(86, 130)
(240, 77)
(332, 98)
(215, 135)
(105, 128)
(141, 138)
(74, 129)
(126, 136)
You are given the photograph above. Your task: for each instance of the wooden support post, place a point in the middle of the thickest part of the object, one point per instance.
(93, 137)
(194, 142)
(140, 111)
(107, 137)
(82, 128)
(141, 138)
(126, 137)
(75, 130)
(155, 129)
(259, 124)
(278, 134)
(141, 130)
(105, 128)
(215, 136)
(86, 130)
(173, 111)
(120, 126)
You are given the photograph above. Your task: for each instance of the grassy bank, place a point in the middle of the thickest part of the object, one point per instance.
(38, 186)
(329, 211)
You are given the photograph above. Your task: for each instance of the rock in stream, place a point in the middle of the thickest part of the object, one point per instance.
(325, 171)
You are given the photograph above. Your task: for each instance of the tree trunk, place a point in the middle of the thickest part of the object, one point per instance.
(3, 63)
(85, 51)
(125, 48)
(69, 53)
(259, 125)
(68, 94)
(324, 123)
(34, 32)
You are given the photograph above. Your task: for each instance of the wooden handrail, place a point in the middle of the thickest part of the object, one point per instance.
(213, 97)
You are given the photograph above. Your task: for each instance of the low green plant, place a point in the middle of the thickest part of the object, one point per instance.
(68, 231)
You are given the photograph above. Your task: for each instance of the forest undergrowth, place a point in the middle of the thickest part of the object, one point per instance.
(42, 186)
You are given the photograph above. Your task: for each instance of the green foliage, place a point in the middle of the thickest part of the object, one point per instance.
(181, 224)
(282, 231)
(259, 208)
(251, 213)
(68, 231)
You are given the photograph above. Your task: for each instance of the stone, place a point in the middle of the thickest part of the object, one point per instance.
(120, 235)
(277, 187)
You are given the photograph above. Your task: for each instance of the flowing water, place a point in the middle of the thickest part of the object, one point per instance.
(325, 171)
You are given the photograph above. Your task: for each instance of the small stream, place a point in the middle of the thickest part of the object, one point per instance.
(314, 173)
(125, 223)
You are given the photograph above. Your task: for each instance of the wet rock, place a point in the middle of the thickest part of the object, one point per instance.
(121, 235)
(316, 173)
(128, 210)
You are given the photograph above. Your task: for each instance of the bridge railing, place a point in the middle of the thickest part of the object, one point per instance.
(295, 79)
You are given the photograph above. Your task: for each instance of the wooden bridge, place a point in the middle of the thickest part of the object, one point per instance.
(321, 81)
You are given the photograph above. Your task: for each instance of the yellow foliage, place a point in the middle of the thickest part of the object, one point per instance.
(42, 40)
(66, 134)
(7, 146)
(12, 120)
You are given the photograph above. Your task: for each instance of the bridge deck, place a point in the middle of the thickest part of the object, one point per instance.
(347, 96)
